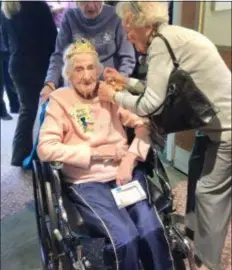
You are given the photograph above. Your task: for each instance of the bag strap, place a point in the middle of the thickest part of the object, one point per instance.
(176, 66)
(173, 57)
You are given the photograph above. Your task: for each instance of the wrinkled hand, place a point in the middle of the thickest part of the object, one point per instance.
(106, 92)
(124, 174)
(111, 74)
(45, 92)
(142, 130)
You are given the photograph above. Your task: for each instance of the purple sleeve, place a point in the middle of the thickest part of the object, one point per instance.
(125, 51)
(64, 38)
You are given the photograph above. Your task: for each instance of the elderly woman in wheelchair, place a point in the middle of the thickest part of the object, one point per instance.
(88, 137)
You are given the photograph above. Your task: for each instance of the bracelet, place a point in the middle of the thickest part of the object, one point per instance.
(47, 84)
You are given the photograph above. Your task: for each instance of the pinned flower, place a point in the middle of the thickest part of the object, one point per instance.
(117, 86)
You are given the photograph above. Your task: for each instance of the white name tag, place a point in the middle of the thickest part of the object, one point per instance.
(128, 194)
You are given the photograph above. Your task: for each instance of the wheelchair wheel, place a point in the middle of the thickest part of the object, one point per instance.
(41, 217)
(61, 261)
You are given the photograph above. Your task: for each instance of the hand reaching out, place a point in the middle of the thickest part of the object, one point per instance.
(142, 131)
(45, 92)
(111, 74)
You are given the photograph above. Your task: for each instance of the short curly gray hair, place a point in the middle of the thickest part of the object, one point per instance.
(143, 13)
(69, 63)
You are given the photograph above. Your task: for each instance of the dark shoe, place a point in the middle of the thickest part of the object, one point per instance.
(6, 117)
(16, 164)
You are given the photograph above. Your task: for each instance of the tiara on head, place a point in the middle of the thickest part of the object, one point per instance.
(81, 46)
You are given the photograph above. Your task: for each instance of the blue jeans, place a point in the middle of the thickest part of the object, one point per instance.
(133, 233)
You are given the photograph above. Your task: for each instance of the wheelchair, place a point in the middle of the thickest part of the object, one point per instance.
(61, 229)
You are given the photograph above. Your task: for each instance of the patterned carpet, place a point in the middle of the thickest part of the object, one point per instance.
(180, 192)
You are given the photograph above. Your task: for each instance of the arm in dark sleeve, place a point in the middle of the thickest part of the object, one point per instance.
(64, 38)
(49, 29)
(4, 43)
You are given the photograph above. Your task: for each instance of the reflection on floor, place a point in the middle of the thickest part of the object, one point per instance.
(19, 244)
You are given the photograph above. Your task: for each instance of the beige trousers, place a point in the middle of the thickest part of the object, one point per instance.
(213, 204)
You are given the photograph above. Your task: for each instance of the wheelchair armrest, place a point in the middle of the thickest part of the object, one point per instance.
(66, 206)
(159, 199)
(162, 175)
(54, 169)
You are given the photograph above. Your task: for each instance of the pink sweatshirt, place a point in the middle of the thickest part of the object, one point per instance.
(64, 138)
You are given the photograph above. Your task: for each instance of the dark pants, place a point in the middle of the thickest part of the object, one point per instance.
(133, 233)
(7, 83)
(2, 103)
(29, 91)
(196, 163)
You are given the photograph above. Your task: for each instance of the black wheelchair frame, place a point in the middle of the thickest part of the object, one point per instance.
(61, 242)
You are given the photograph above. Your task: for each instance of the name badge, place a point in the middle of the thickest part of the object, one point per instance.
(128, 194)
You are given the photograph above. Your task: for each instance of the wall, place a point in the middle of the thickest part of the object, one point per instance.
(189, 16)
(177, 10)
(217, 25)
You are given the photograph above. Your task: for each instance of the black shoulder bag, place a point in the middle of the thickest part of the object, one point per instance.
(185, 106)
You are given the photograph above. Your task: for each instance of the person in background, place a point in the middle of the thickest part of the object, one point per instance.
(6, 81)
(31, 35)
(198, 56)
(111, 3)
(58, 9)
(100, 24)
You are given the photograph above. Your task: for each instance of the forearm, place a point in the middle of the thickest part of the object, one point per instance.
(125, 52)
(55, 68)
(140, 148)
(76, 155)
(127, 64)
(160, 67)
(135, 86)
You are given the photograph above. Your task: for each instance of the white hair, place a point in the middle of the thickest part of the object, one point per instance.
(69, 63)
(143, 13)
(10, 8)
